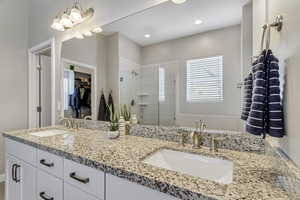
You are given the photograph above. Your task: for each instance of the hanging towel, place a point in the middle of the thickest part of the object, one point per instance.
(110, 104)
(102, 114)
(255, 121)
(248, 87)
(266, 116)
(275, 125)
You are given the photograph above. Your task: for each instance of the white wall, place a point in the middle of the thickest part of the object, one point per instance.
(225, 42)
(84, 51)
(129, 49)
(13, 67)
(286, 46)
(113, 68)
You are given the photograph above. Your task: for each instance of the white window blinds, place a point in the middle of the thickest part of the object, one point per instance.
(205, 80)
(161, 73)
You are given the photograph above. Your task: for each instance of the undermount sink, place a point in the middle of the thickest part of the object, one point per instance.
(212, 169)
(48, 133)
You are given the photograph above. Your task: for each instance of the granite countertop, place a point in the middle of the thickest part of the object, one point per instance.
(254, 176)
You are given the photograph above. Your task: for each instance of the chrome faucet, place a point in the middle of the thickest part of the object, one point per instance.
(71, 124)
(215, 144)
(197, 138)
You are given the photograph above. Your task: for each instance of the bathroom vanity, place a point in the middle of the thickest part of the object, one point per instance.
(84, 164)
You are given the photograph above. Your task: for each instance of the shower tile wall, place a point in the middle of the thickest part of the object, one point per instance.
(148, 95)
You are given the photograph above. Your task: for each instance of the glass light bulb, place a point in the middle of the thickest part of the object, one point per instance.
(88, 34)
(75, 15)
(97, 30)
(56, 25)
(79, 36)
(65, 21)
(178, 1)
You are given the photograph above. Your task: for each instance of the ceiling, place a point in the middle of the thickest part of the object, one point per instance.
(169, 21)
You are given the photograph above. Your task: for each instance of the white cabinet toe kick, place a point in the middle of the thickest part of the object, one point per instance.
(39, 175)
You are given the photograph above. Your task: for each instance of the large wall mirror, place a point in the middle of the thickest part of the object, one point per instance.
(171, 65)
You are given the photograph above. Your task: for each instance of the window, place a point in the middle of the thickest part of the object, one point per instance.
(205, 80)
(161, 74)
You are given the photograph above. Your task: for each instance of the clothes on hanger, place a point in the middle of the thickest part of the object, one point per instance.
(266, 113)
(76, 102)
(111, 105)
(102, 114)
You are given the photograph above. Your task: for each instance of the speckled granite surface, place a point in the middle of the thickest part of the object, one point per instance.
(255, 176)
(232, 140)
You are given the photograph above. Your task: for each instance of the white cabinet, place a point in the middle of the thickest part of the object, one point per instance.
(73, 193)
(86, 178)
(33, 174)
(20, 180)
(49, 187)
(12, 187)
(50, 163)
(118, 189)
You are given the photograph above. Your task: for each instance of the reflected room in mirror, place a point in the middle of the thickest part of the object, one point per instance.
(79, 79)
(183, 66)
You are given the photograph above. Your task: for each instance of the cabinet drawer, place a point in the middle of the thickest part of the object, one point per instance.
(21, 151)
(48, 186)
(50, 163)
(72, 193)
(86, 178)
(118, 188)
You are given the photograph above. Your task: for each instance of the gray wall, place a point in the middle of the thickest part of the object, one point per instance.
(286, 46)
(129, 50)
(225, 42)
(13, 67)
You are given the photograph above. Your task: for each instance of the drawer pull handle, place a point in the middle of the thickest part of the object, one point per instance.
(82, 180)
(13, 172)
(16, 173)
(43, 162)
(45, 197)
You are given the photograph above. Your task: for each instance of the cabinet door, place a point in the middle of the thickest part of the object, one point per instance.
(48, 186)
(12, 187)
(118, 189)
(27, 176)
(73, 193)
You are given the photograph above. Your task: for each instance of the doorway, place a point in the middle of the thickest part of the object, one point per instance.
(79, 90)
(41, 94)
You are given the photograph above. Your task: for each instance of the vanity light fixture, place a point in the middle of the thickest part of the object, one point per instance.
(198, 21)
(178, 1)
(66, 21)
(147, 35)
(72, 17)
(97, 30)
(57, 25)
(79, 36)
(88, 34)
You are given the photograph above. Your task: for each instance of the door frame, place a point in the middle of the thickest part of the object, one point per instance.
(94, 83)
(32, 82)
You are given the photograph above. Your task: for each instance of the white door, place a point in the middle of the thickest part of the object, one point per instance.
(46, 90)
(12, 186)
(26, 174)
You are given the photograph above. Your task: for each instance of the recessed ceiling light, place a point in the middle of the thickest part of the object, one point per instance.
(147, 35)
(198, 21)
(178, 1)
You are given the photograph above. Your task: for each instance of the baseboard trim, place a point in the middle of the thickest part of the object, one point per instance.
(2, 178)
